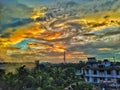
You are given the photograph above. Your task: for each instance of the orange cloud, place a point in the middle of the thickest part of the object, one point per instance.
(38, 13)
(48, 35)
(78, 53)
(58, 47)
(104, 49)
(27, 31)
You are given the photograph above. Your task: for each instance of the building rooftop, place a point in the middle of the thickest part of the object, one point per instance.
(92, 63)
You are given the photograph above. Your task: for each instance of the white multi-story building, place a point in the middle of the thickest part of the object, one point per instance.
(102, 72)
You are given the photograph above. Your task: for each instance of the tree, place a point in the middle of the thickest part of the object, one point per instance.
(84, 86)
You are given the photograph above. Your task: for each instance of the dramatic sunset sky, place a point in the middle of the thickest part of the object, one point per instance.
(43, 29)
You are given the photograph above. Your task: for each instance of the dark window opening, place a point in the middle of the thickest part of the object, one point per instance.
(118, 81)
(117, 72)
(101, 71)
(95, 72)
(102, 79)
(88, 79)
(95, 79)
(87, 71)
(109, 79)
(108, 72)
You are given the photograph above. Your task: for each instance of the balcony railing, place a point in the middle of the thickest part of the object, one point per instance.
(103, 75)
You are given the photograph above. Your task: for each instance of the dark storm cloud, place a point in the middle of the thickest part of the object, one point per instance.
(92, 47)
(111, 33)
(88, 49)
(5, 35)
(89, 34)
(108, 31)
(8, 2)
(18, 22)
(12, 9)
(76, 25)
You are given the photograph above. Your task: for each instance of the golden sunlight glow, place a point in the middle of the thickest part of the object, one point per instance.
(99, 21)
(104, 49)
(38, 13)
(58, 47)
(53, 35)
(29, 30)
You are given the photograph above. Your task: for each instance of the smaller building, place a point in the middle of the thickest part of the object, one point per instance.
(103, 73)
(91, 60)
(41, 65)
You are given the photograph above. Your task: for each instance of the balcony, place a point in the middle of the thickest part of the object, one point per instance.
(102, 75)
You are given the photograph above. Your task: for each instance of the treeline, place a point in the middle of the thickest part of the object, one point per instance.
(55, 77)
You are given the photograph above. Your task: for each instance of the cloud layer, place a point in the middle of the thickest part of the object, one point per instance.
(29, 32)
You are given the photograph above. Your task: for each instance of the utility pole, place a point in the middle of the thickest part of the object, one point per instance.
(114, 59)
(64, 57)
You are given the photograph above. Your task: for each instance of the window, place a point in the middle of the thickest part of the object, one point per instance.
(87, 71)
(109, 79)
(101, 71)
(95, 72)
(118, 81)
(108, 72)
(117, 72)
(88, 79)
(102, 78)
(95, 79)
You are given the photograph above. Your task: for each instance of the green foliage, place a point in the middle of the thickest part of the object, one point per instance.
(47, 78)
(85, 86)
(39, 88)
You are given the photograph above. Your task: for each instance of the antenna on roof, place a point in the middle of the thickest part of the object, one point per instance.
(114, 59)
